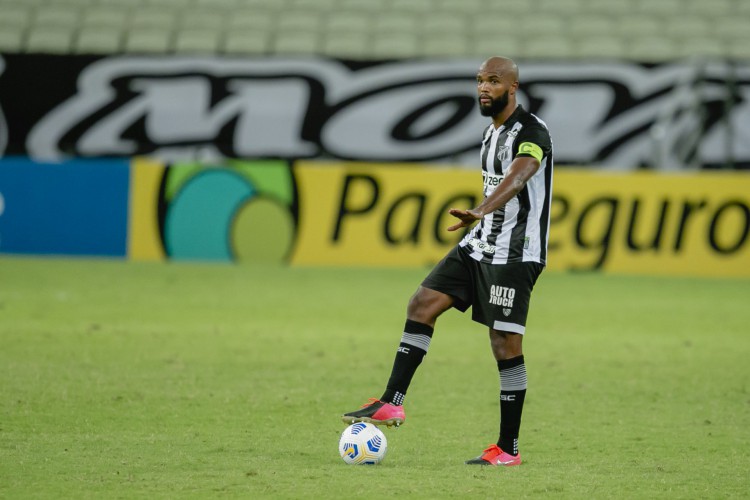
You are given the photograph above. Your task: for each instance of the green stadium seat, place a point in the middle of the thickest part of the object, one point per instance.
(395, 46)
(196, 41)
(148, 40)
(413, 6)
(444, 45)
(346, 22)
(304, 21)
(634, 26)
(50, 39)
(322, 6)
(12, 38)
(15, 15)
(445, 24)
(94, 40)
(152, 17)
(652, 49)
(247, 42)
(296, 42)
(106, 17)
(486, 46)
(548, 47)
(202, 20)
(346, 45)
(600, 47)
(56, 16)
(472, 7)
(586, 25)
(560, 7)
(251, 20)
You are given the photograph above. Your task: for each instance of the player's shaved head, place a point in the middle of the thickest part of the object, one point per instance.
(503, 67)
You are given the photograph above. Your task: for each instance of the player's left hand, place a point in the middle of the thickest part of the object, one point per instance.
(466, 217)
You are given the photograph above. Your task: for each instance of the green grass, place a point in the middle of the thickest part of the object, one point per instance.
(135, 380)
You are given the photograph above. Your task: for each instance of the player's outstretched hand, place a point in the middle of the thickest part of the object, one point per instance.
(466, 218)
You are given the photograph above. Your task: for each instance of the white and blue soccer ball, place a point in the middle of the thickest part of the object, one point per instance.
(362, 443)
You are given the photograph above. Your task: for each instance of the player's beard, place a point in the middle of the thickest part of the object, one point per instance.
(496, 105)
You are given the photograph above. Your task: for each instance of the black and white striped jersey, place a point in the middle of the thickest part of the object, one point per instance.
(518, 231)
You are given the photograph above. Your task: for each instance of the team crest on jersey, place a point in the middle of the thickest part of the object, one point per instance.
(506, 311)
(503, 153)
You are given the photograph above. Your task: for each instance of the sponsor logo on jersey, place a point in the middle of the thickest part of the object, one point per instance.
(502, 296)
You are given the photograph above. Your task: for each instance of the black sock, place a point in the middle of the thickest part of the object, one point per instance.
(512, 393)
(412, 349)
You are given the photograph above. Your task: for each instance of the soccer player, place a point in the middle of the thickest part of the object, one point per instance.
(494, 267)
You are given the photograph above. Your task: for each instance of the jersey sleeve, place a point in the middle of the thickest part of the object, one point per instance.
(533, 141)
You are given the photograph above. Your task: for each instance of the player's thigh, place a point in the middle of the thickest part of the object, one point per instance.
(427, 304)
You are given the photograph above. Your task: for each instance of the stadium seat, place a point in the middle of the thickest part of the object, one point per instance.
(658, 7)
(93, 40)
(247, 42)
(413, 6)
(395, 46)
(304, 21)
(11, 38)
(688, 27)
(443, 46)
(296, 42)
(446, 24)
(346, 45)
(360, 6)
(548, 47)
(652, 49)
(492, 27)
(202, 20)
(56, 16)
(401, 24)
(105, 17)
(50, 40)
(14, 15)
(473, 7)
(599, 47)
(614, 8)
(345, 22)
(634, 26)
(710, 8)
(196, 41)
(484, 47)
(739, 48)
(586, 25)
(250, 20)
(148, 40)
(547, 24)
(126, 4)
(701, 47)
(323, 6)
(152, 17)
(215, 5)
(560, 7)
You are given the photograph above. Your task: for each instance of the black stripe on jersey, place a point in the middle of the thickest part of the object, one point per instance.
(497, 225)
(518, 233)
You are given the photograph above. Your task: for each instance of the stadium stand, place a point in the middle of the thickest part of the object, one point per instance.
(646, 30)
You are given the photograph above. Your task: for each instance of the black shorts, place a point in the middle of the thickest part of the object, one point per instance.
(498, 294)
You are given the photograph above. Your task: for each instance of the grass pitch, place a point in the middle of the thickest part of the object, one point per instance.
(134, 380)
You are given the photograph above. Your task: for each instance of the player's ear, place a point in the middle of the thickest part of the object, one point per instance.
(513, 88)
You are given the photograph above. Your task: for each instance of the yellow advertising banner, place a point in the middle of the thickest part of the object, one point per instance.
(649, 223)
(378, 215)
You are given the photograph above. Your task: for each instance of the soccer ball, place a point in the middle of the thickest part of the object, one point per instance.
(362, 443)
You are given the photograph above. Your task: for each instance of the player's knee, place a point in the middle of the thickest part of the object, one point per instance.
(426, 305)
